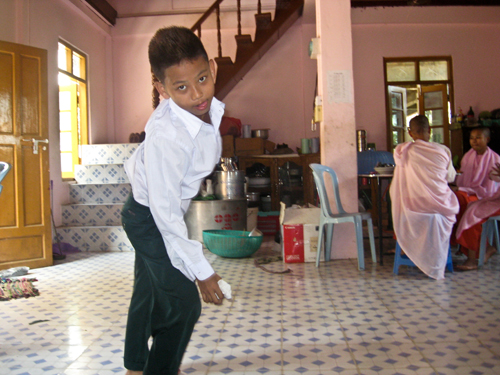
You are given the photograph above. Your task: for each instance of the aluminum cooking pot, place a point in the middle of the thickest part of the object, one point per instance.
(260, 133)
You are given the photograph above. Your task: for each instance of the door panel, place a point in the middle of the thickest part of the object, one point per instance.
(434, 105)
(25, 224)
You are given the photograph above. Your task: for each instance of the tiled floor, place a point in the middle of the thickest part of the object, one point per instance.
(331, 320)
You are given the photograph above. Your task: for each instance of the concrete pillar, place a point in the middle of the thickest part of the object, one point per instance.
(338, 130)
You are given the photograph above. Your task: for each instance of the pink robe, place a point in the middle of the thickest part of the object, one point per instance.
(480, 210)
(475, 170)
(423, 206)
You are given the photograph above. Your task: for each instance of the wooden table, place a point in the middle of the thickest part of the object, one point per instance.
(378, 178)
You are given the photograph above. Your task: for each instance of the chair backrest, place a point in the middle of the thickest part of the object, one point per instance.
(319, 171)
(4, 168)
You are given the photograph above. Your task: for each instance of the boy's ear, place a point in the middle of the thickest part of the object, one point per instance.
(161, 90)
(211, 64)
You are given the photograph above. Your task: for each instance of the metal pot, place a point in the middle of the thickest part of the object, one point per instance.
(224, 214)
(253, 199)
(230, 185)
(260, 133)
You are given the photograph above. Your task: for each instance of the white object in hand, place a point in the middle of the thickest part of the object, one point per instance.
(225, 288)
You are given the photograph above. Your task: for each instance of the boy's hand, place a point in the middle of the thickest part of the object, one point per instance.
(210, 290)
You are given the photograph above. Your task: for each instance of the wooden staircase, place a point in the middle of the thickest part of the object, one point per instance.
(248, 52)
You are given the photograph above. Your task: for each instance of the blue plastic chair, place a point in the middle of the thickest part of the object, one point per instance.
(403, 260)
(4, 169)
(490, 232)
(328, 219)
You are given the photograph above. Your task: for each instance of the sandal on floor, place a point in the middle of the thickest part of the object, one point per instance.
(467, 267)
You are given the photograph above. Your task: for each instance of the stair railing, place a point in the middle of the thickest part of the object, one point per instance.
(215, 7)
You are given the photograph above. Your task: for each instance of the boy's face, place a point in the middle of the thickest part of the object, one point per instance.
(478, 141)
(190, 85)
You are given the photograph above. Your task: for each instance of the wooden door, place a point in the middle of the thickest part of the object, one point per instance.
(25, 225)
(434, 105)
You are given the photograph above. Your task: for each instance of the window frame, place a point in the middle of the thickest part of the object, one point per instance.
(419, 84)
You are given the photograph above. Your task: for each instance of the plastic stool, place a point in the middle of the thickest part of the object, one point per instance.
(403, 260)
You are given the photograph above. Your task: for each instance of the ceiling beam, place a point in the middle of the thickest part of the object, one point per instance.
(397, 3)
(104, 9)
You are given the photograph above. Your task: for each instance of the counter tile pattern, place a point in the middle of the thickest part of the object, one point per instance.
(328, 320)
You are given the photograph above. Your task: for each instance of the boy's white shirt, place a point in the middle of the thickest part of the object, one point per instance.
(166, 171)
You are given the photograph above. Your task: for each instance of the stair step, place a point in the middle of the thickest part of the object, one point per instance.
(263, 23)
(107, 153)
(99, 193)
(109, 238)
(100, 174)
(92, 214)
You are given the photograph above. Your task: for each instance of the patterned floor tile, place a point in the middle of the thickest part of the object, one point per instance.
(333, 319)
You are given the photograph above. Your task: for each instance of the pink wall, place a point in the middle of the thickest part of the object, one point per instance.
(469, 35)
(277, 93)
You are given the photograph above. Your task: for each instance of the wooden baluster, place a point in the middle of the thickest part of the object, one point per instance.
(219, 39)
(239, 17)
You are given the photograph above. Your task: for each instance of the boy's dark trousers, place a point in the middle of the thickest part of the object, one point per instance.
(165, 304)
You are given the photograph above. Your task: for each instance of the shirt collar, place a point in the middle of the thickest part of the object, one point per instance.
(193, 124)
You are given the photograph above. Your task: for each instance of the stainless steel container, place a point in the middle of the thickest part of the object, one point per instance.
(361, 140)
(230, 184)
(222, 214)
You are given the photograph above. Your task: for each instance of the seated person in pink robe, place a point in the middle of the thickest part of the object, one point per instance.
(474, 183)
(471, 225)
(423, 205)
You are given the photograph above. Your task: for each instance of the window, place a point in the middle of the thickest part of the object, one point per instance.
(421, 85)
(73, 127)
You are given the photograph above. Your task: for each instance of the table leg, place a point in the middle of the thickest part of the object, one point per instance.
(380, 234)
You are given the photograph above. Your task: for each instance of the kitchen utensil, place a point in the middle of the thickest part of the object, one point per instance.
(231, 243)
(222, 214)
(384, 170)
(260, 133)
(230, 184)
(305, 145)
(253, 198)
(259, 181)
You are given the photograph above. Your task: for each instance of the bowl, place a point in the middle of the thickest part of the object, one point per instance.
(231, 243)
(384, 170)
(260, 133)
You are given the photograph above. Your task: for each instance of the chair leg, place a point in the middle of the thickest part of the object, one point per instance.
(359, 242)
(328, 244)
(496, 235)
(397, 256)
(320, 244)
(372, 240)
(482, 243)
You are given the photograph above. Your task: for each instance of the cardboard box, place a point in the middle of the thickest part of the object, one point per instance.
(252, 146)
(300, 231)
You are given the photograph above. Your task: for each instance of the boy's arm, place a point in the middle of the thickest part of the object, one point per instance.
(166, 161)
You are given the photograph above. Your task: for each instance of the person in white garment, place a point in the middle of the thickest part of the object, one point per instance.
(423, 205)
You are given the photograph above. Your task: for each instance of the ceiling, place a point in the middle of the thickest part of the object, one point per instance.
(106, 10)
(392, 3)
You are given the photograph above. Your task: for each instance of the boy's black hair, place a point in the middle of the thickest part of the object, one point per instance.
(484, 129)
(419, 124)
(170, 45)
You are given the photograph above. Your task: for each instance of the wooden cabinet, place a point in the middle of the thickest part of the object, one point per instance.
(274, 162)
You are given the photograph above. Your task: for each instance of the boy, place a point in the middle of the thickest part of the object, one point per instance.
(423, 206)
(181, 148)
(474, 183)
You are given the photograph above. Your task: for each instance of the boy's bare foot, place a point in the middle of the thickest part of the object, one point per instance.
(469, 265)
(130, 372)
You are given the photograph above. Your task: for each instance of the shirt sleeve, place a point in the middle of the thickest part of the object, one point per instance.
(166, 163)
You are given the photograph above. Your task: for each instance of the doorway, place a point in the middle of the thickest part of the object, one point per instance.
(420, 85)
